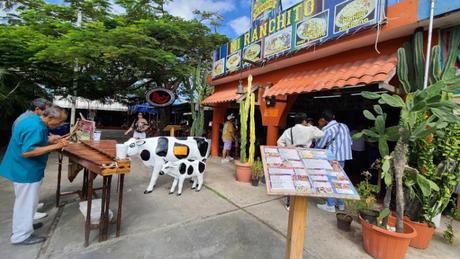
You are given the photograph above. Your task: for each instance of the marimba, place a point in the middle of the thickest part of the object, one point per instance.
(95, 158)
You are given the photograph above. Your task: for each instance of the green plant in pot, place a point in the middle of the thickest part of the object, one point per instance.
(367, 205)
(430, 187)
(418, 101)
(257, 172)
(247, 111)
(429, 192)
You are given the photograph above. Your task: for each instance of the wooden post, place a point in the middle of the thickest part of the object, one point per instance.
(296, 227)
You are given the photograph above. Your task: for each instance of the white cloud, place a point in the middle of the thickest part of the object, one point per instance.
(240, 25)
(185, 8)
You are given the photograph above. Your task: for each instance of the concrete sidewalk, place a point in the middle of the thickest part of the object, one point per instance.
(227, 219)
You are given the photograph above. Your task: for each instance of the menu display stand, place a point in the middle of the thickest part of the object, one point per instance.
(301, 173)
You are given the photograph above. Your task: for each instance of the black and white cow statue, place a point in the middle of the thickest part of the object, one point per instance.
(184, 169)
(154, 152)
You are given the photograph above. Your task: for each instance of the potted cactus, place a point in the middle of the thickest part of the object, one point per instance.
(437, 112)
(247, 110)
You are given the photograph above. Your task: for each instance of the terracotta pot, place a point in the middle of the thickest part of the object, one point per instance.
(243, 172)
(384, 244)
(424, 232)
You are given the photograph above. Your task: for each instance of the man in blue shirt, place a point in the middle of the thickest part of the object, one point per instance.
(24, 164)
(37, 106)
(336, 139)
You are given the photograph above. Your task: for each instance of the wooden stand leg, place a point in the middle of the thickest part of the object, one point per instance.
(102, 217)
(296, 227)
(88, 207)
(106, 205)
(85, 185)
(120, 203)
(58, 189)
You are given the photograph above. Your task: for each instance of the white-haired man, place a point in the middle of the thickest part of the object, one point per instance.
(24, 165)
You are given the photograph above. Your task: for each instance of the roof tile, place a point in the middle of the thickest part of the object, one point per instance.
(367, 71)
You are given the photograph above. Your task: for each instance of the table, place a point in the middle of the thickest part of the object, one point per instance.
(95, 158)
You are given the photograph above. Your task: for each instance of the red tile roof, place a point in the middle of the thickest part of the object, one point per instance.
(367, 71)
(221, 95)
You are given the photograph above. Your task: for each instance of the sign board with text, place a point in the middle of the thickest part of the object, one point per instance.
(305, 172)
(276, 32)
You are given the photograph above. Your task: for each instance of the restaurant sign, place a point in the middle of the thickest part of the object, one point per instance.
(306, 24)
(160, 97)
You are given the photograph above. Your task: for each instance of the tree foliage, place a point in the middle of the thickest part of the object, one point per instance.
(41, 45)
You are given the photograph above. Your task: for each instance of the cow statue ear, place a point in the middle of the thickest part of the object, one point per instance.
(140, 142)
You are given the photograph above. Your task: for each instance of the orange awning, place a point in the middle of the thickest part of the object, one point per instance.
(221, 95)
(368, 71)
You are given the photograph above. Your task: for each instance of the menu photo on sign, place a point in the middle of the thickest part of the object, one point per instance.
(353, 13)
(312, 29)
(278, 42)
(305, 172)
(218, 67)
(234, 61)
(253, 52)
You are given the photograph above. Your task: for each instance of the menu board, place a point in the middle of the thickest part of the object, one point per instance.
(305, 172)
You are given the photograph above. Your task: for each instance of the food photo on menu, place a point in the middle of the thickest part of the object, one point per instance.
(316, 154)
(342, 187)
(323, 187)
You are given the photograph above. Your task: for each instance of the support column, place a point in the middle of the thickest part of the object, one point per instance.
(218, 115)
(275, 116)
(272, 135)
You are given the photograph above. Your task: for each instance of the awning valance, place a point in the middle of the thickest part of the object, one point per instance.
(367, 71)
(221, 95)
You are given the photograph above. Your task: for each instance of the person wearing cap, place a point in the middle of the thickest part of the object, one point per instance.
(228, 135)
(302, 134)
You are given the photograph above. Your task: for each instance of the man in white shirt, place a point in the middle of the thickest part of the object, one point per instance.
(302, 134)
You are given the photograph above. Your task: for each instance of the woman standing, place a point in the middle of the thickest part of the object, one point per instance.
(140, 126)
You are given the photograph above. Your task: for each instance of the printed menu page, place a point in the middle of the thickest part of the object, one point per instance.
(282, 182)
(306, 171)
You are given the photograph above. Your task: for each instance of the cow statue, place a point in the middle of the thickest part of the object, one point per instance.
(154, 152)
(183, 169)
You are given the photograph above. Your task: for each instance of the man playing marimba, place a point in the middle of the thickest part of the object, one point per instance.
(24, 164)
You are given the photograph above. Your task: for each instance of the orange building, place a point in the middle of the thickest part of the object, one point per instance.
(329, 75)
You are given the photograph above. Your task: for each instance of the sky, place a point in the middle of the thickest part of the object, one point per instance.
(236, 13)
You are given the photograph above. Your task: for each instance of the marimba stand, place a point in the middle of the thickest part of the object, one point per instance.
(87, 191)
